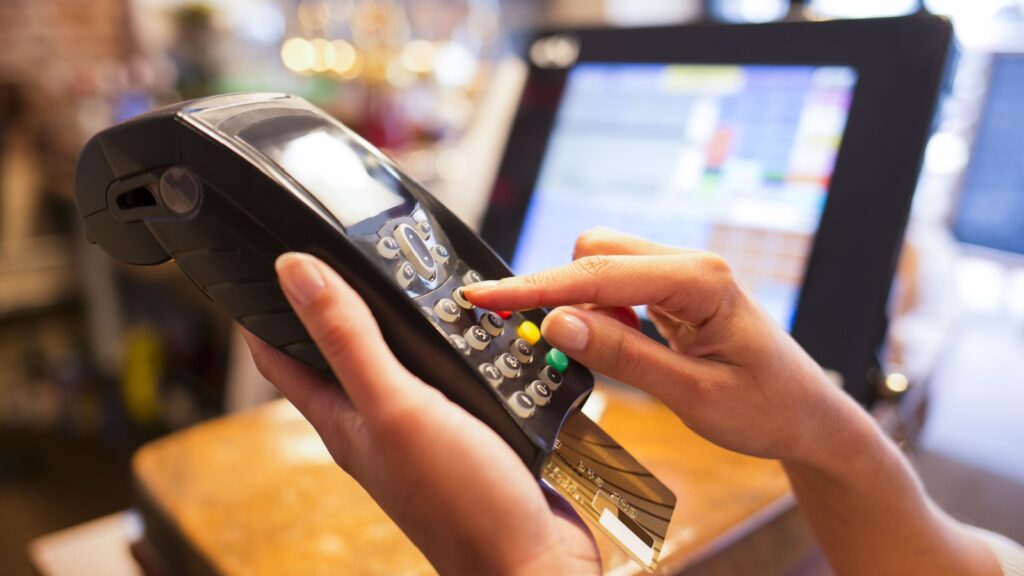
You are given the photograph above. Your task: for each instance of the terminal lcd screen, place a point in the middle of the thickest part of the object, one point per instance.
(330, 165)
(734, 159)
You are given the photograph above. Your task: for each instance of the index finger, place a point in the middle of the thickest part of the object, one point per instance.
(602, 240)
(691, 285)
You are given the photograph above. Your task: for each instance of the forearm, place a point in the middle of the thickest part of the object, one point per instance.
(868, 510)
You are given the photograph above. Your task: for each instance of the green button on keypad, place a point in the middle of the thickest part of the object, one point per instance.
(557, 359)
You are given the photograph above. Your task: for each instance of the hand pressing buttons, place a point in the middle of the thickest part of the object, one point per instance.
(540, 393)
(521, 404)
(492, 323)
(477, 338)
(447, 310)
(551, 377)
(508, 365)
(491, 374)
(460, 299)
(522, 350)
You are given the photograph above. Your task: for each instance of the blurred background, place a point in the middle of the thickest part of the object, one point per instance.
(97, 358)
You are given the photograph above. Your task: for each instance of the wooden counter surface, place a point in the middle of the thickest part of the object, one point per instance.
(257, 493)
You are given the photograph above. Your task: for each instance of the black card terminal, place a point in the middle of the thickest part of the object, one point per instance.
(224, 185)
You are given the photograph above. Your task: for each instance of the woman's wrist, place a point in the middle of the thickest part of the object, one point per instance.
(837, 433)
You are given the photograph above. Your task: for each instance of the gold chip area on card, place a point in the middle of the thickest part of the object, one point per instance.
(610, 489)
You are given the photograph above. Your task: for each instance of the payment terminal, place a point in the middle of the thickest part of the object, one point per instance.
(223, 185)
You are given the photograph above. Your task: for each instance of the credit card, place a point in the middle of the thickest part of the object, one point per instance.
(610, 489)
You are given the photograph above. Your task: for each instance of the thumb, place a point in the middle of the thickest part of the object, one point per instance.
(606, 345)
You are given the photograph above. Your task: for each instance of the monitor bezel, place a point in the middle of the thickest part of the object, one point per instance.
(840, 317)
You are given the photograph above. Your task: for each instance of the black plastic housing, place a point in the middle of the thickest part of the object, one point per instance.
(249, 213)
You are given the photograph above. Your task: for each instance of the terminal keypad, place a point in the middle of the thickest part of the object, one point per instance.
(504, 348)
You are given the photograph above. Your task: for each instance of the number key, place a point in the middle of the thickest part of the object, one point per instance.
(477, 337)
(540, 393)
(521, 404)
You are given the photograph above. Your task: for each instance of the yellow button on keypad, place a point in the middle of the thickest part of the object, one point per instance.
(528, 331)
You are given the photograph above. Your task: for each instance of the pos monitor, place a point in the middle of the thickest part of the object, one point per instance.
(990, 209)
(792, 149)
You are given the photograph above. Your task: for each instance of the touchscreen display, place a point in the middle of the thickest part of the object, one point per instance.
(350, 183)
(732, 159)
(991, 208)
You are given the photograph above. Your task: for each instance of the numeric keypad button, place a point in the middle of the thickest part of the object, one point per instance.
(557, 359)
(528, 331)
(508, 365)
(459, 343)
(522, 350)
(472, 277)
(552, 377)
(460, 299)
(492, 323)
(521, 404)
(491, 374)
(388, 248)
(440, 254)
(447, 310)
(540, 392)
(477, 338)
(405, 274)
(424, 229)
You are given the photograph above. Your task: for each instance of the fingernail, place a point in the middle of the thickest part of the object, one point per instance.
(566, 331)
(300, 277)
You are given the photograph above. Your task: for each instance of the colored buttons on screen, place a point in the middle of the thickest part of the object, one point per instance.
(522, 350)
(557, 359)
(405, 275)
(460, 299)
(508, 365)
(551, 377)
(491, 374)
(440, 254)
(477, 337)
(521, 404)
(388, 248)
(528, 331)
(492, 323)
(447, 310)
(540, 393)
(459, 343)
(415, 250)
